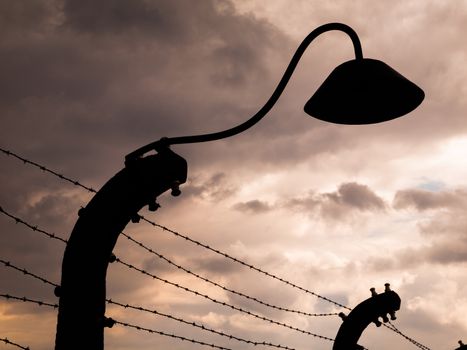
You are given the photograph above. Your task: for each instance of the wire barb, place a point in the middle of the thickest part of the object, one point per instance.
(27, 300)
(280, 308)
(221, 302)
(252, 267)
(153, 331)
(26, 272)
(44, 168)
(413, 341)
(9, 342)
(32, 227)
(201, 326)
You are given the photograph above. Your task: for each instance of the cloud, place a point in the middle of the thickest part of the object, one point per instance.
(425, 200)
(350, 198)
(254, 206)
(215, 188)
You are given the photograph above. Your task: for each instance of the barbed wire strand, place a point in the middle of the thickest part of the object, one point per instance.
(201, 326)
(9, 342)
(225, 255)
(32, 227)
(143, 309)
(77, 183)
(45, 169)
(26, 272)
(132, 267)
(280, 308)
(28, 300)
(153, 331)
(411, 340)
(35, 228)
(241, 262)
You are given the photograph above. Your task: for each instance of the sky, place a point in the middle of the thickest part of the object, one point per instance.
(335, 209)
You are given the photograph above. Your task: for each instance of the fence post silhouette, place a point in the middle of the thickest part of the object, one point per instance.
(81, 315)
(368, 311)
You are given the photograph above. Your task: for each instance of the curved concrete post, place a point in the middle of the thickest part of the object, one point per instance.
(81, 314)
(368, 311)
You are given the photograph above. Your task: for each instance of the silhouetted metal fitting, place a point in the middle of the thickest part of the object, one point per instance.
(135, 218)
(377, 323)
(112, 258)
(108, 322)
(81, 211)
(387, 287)
(153, 205)
(385, 319)
(57, 291)
(461, 343)
(393, 315)
(373, 292)
(342, 316)
(176, 189)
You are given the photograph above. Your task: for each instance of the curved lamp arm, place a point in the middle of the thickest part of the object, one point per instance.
(267, 106)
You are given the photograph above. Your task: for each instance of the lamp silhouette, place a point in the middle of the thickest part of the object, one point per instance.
(360, 91)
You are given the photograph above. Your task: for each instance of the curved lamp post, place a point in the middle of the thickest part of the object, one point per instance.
(360, 91)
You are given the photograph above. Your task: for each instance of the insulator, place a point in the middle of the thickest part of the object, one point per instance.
(153, 205)
(373, 292)
(135, 218)
(385, 319)
(112, 258)
(377, 323)
(81, 212)
(393, 315)
(108, 322)
(387, 287)
(175, 189)
(342, 316)
(57, 291)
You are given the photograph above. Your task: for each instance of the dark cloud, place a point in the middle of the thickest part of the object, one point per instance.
(425, 200)
(213, 265)
(254, 206)
(348, 199)
(118, 71)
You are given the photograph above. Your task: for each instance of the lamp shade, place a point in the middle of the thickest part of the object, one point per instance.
(364, 91)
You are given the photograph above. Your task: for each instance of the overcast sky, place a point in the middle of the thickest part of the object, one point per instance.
(335, 209)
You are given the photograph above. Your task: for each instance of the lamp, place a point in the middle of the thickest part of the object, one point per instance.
(360, 91)
(364, 91)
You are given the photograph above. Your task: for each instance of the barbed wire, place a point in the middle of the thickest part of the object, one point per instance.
(28, 300)
(153, 331)
(280, 308)
(411, 340)
(140, 308)
(32, 227)
(45, 169)
(7, 341)
(26, 272)
(194, 324)
(252, 267)
(225, 255)
(144, 272)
